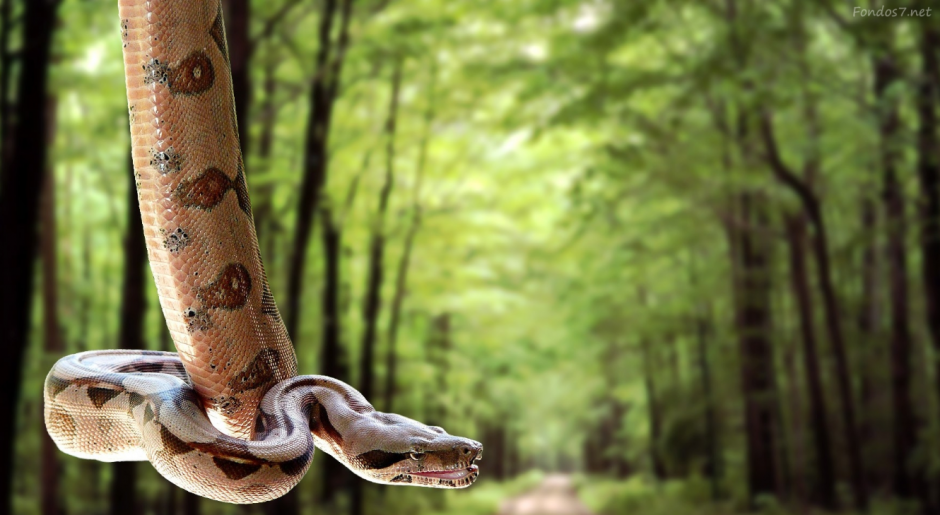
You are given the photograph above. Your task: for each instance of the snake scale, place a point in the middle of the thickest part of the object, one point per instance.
(227, 417)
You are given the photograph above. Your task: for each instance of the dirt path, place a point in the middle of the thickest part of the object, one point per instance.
(555, 496)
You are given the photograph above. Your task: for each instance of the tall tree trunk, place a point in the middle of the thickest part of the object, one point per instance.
(237, 17)
(323, 93)
(263, 211)
(332, 358)
(820, 248)
(903, 420)
(373, 295)
(757, 367)
(20, 185)
(401, 276)
(824, 492)
(322, 96)
(52, 331)
(928, 170)
(124, 498)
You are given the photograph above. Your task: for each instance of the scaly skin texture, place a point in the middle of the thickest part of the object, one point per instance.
(227, 417)
(195, 209)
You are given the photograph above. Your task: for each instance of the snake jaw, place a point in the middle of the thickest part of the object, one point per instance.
(453, 466)
(457, 475)
(409, 453)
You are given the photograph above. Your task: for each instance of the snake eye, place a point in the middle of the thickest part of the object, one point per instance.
(416, 455)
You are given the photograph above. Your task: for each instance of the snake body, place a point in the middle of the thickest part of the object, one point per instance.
(227, 417)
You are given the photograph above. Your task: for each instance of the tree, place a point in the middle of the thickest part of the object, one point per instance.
(796, 239)
(373, 300)
(52, 329)
(820, 246)
(124, 498)
(323, 94)
(20, 185)
(753, 311)
(401, 274)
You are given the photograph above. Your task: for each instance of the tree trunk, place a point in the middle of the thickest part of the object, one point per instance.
(373, 295)
(332, 358)
(20, 185)
(264, 224)
(237, 16)
(323, 93)
(401, 276)
(52, 331)
(824, 492)
(124, 498)
(903, 420)
(757, 367)
(928, 170)
(322, 96)
(820, 248)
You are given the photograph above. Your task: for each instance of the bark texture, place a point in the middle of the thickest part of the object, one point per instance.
(20, 185)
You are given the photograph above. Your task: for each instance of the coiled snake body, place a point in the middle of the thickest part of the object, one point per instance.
(227, 417)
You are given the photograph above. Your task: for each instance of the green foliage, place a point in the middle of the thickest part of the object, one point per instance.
(575, 211)
(642, 495)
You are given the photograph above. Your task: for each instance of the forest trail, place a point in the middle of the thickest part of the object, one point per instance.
(554, 496)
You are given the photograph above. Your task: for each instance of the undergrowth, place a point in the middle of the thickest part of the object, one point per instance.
(640, 495)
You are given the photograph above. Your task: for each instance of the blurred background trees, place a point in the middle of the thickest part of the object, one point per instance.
(688, 252)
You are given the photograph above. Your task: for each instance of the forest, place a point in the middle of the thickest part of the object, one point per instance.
(660, 257)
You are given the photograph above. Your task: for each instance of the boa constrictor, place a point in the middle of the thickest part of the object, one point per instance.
(227, 417)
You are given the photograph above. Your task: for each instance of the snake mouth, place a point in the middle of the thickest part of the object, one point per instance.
(449, 475)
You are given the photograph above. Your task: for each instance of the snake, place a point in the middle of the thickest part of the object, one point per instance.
(227, 416)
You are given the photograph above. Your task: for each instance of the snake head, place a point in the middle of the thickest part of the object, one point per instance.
(407, 452)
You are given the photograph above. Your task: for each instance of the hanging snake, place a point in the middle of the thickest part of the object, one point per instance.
(226, 417)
